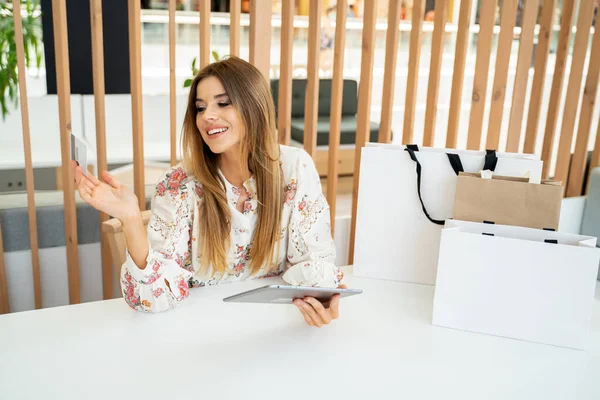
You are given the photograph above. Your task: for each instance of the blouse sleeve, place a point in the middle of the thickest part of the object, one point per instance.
(162, 285)
(311, 249)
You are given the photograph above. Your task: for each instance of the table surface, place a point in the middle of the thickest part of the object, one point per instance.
(383, 346)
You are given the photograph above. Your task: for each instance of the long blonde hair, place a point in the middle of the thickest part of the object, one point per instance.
(250, 95)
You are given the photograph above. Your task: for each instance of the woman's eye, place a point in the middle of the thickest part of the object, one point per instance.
(200, 109)
(224, 104)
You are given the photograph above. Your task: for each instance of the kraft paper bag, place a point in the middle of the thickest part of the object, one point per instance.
(507, 201)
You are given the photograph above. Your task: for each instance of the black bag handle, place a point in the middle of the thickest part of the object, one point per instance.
(491, 159)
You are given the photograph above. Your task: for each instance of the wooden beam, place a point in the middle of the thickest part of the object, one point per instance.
(389, 72)
(582, 36)
(487, 17)
(100, 115)
(364, 106)
(562, 50)
(172, 88)
(590, 90)
(63, 86)
(135, 71)
(435, 66)
(204, 8)
(458, 75)
(311, 105)
(530, 14)
(235, 9)
(412, 79)
(32, 217)
(539, 76)
(507, 26)
(337, 87)
(284, 108)
(595, 162)
(260, 36)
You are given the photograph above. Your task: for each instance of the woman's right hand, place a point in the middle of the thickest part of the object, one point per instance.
(110, 196)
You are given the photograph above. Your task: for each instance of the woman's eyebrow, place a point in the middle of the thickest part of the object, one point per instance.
(216, 97)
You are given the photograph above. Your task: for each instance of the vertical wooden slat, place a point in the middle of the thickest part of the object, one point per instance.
(577, 170)
(311, 105)
(135, 71)
(4, 305)
(539, 76)
(33, 236)
(364, 106)
(389, 72)
(435, 66)
(235, 9)
(462, 40)
(172, 89)
(562, 50)
(336, 107)
(284, 108)
(100, 114)
(507, 25)
(487, 17)
(584, 22)
(260, 36)
(412, 79)
(63, 88)
(204, 8)
(530, 14)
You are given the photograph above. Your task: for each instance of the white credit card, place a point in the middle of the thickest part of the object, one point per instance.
(79, 152)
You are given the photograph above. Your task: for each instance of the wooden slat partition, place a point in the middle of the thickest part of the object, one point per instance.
(562, 50)
(507, 25)
(135, 70)
(311, 105)
(172, 89)
(517, 110)
(204, 8)
(235, 9)
(33, 236)
(389, 72)
(284, 108)
(260, 36)
(63, 88)
(412, 79)
(4, 305)
(460, 56)
(584, 22)
(100, 114)
(336, 108)
(487, 17)
(539, 76)
(364, 106)
(577, 170)
(435, 66)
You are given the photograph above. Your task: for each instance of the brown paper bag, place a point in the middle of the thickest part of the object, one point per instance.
(508, 201)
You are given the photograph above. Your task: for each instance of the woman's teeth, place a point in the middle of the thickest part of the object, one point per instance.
(215, 131)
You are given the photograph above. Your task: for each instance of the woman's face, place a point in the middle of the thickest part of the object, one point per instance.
(218, 122)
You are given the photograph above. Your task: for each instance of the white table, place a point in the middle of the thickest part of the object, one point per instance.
(383, 346)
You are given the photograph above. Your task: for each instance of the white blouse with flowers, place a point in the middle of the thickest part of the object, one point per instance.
(306, 253)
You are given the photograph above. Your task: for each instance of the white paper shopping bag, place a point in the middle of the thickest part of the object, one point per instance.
(516, 282)
(395, 239)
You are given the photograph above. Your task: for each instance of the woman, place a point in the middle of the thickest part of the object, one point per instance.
(239, 205)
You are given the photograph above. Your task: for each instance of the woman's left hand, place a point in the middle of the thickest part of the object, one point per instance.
(316, 313)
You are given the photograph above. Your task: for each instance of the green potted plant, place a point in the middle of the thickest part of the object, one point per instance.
(32, 42)
(195, 70)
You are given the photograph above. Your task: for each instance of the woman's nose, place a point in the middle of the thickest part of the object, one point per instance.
(209, 114)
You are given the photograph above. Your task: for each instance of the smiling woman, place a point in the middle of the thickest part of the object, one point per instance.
(240, 206)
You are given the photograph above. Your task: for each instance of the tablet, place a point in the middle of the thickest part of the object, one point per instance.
(79, 152)
(285, 294)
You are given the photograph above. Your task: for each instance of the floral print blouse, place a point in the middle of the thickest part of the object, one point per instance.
(306, 253)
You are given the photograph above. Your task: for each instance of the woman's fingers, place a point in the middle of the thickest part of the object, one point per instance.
(320, 310)
(108, 178)
(311, 312)
(334, 306)
(307, 317)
